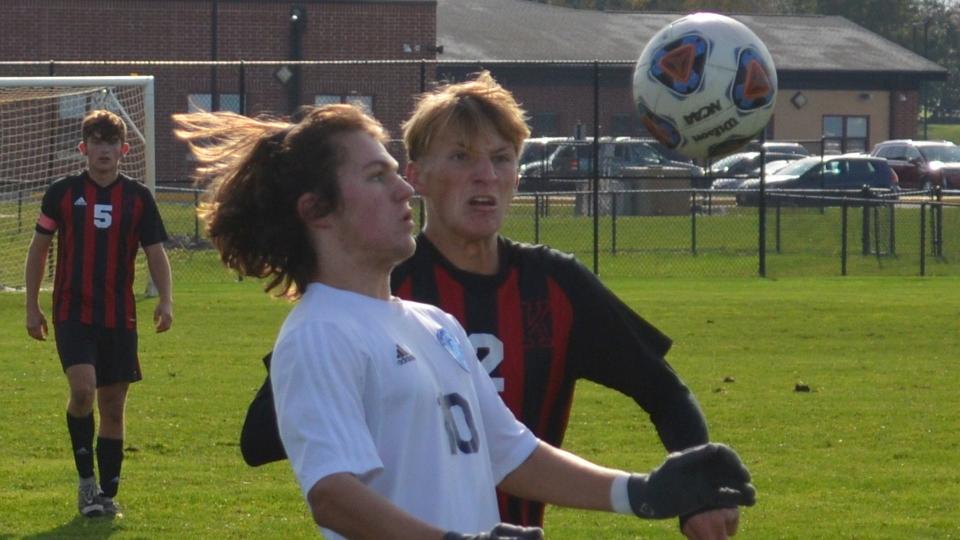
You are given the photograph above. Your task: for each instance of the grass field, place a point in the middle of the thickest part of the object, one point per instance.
(870, 452)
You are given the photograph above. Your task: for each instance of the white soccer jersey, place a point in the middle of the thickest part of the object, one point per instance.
(392, 392)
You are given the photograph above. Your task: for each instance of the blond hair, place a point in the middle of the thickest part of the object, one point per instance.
(470, 107)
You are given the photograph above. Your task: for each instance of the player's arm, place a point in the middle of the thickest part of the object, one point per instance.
(33, 277)
(613, 346)
(634, 364)
(709, 475)
(343, 504)
(555, 476)
(159, 266)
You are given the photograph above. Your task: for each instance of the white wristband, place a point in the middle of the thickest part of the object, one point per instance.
(619, 497)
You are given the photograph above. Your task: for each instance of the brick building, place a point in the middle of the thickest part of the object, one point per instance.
(173, 40)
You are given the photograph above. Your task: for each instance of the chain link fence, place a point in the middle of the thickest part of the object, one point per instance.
(620, 223)
(667, 232)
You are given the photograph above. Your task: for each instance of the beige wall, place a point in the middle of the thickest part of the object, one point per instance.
(806, 123)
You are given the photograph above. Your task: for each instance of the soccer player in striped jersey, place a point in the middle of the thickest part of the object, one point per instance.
(538, 318)
(393, 427)
(101, 217)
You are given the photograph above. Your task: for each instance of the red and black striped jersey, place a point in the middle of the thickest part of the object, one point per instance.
(99, 230)
(542, 322)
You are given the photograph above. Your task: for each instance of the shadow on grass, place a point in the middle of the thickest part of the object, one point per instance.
(81, 527)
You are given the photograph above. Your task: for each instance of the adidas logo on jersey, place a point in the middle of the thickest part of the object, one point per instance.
(403, 356)
(80, 201)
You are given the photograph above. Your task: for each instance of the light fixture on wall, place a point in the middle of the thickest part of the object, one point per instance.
(297, 15)
(864, 96)
(799, 100)
(901, 97)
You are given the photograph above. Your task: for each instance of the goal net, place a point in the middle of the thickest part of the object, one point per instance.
(39, 131)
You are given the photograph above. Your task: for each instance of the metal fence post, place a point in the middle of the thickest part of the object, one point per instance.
(938, 239)
(596, 167)
(865, 224)
(613, 222)
(762, 225)
(876, 230)
(893, 229)
(536, 217)
(693, 222)
(843, 239)
(923, 239)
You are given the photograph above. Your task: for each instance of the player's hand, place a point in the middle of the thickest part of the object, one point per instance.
(503, 531)
(36, 324)
(710, 475)
(715, 524)
(163, 316)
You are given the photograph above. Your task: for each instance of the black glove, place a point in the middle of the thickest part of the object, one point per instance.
(503, 531)
(706, 476)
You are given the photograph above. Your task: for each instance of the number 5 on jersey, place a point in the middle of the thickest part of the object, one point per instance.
(102, 216)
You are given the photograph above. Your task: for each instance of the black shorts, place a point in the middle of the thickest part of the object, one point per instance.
(111, 351)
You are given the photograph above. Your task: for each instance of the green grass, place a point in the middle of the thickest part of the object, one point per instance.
(944, 132)
(870, 452)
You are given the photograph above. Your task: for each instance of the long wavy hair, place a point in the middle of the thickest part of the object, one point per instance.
(256, 169)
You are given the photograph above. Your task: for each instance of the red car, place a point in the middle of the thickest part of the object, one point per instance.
(922, 164)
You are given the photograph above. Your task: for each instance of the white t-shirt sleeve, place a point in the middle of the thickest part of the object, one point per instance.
(318, 374)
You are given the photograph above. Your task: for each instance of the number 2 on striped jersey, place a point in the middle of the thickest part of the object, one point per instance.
(490, 352)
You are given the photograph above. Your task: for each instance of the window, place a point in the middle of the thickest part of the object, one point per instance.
(204, 102)
(843, 134)
(361, 101)
(893, 151)
(325, 99)
(543, 124)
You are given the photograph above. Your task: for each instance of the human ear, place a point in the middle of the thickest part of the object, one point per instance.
(124, 148)
(82, 147)
(307, 212)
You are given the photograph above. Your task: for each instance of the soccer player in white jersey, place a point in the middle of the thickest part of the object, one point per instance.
(392, 426)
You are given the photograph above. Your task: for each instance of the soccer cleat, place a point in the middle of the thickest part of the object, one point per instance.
(87, 501)
(110, 507)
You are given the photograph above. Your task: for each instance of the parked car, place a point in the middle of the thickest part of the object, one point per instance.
(783, 147)
(731, 171)
(571, 164)
(822, 181)
(539, 149)
(922, 164)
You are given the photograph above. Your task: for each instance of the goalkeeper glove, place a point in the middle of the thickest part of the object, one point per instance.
(503, 531)
(706, 476)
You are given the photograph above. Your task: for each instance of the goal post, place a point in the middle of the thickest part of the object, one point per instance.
(40, 121)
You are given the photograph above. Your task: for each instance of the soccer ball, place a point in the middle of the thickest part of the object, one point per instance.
(705, 85)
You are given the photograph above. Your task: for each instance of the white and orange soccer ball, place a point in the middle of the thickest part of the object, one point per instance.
(705, 85)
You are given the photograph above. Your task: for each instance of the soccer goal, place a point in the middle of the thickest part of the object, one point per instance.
(39, 132)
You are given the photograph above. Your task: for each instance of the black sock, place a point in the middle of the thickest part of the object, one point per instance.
(81, 437)
(109, 458)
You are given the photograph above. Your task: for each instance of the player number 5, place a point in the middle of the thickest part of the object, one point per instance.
(102, 217)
